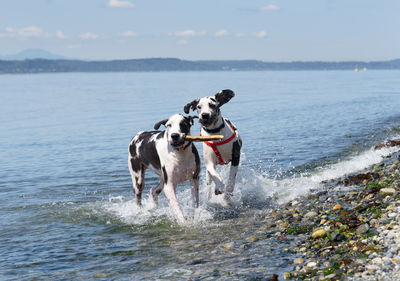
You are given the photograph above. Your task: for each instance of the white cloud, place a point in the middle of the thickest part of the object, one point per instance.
(127, 34)
(270, 8)
(188, 33)
(23, 32)
(88, 36)
(120, 4)
(221, 33)
(61, 35)
(240, 35)
(260, 34)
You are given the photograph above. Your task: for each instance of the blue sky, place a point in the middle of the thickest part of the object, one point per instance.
(276, 30)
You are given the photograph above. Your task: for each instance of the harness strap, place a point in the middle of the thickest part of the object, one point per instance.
(214, 145)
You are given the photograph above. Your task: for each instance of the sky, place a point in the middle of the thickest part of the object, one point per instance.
(268, 30)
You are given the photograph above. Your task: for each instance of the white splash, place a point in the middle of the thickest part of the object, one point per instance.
(252, 188)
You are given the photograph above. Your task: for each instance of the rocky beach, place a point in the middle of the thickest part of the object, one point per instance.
(348, 229)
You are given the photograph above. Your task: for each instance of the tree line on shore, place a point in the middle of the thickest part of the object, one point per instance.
(173, 64)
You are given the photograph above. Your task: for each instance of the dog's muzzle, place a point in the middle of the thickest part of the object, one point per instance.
(206, 119)
(177, 140)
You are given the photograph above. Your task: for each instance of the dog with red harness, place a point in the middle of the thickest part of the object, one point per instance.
(220, 152)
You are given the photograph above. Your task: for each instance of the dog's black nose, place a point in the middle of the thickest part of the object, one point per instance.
(175, 136)
(205, 116)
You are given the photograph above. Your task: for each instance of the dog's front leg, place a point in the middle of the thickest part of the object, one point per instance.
(169, 191)
(208, 185)
(231, 181)
(194, 184)
(216, 178)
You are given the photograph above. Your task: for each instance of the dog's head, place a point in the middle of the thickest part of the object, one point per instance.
(208, 108)
(177, 128)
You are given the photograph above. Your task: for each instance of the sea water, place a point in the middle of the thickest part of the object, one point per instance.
(66, 200)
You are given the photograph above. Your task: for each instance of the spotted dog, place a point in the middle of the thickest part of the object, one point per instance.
(220, 152)
(170, 156)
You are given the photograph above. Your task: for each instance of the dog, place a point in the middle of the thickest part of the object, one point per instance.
(170, 156)
(221, 152)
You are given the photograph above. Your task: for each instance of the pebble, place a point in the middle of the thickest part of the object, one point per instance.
(337, 207)
(310, 215)
(362, 229)
(318, 233)
(330, 276)
(298, 261)
(286, 275)
(312, 264)
(252, 238)
(228, 246)
(387, 191)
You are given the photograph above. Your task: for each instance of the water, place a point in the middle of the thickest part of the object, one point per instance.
(65, 193)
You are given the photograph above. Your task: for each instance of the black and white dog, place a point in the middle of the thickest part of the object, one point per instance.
(220, 152)
(170, 156)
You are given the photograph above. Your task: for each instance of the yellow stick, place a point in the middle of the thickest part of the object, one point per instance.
(204, 138)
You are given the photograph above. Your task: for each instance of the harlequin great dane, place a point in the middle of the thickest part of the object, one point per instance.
(170, 156)
(220, 152)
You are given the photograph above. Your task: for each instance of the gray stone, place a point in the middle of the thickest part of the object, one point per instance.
(228, 246)
(362, 229)
(310, 215)
(387, 191)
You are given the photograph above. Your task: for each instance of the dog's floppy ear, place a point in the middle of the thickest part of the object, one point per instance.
(191, 105)
(224, 96)
(191, 118)
(158, 124)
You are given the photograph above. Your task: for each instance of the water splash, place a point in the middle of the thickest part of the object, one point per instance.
(254, 191)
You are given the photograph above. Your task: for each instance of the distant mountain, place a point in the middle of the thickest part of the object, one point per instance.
(173, 64)
(32, 54)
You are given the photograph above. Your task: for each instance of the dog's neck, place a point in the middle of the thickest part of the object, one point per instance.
(216, 127)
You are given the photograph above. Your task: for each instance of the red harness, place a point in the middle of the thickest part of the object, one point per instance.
(214, 145)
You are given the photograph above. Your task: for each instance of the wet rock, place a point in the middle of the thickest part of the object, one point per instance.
(228, 246)
(330, 276)
(196, 262)
(337, 207)
(338, 237)
(387, 191)
(252, 238)
(312, 264)
(310, 215)
(362, 229)
(389, 143)
(273, 278)
(287, 275)
(359, 178)
(298, 261)
(318, 233)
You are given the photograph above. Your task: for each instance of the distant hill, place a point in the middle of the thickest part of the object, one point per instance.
(32, 54)
(173, 64)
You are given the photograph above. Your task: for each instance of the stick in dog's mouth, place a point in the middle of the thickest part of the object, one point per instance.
(204, 138)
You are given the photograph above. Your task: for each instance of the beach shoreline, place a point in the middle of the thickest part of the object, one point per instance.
(346, 230)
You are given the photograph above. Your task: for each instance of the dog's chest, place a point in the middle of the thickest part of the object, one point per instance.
(181, 165)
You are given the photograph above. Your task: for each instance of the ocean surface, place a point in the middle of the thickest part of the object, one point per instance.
(66, 200)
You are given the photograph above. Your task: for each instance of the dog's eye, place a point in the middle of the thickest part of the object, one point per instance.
(198, 107)
(168, 125)
(211, 105)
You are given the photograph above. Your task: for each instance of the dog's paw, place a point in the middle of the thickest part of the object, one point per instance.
(218, 192)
